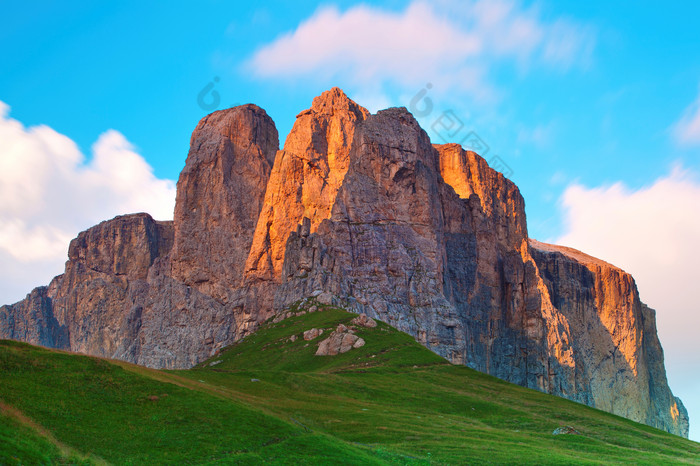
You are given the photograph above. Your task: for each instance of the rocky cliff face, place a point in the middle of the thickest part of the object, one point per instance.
(305, 179)
(613, 335)
(364, 208)
(219, 197)
(117, 299)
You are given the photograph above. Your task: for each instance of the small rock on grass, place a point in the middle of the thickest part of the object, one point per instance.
(342, 329)
(325, 298)
(566, 430)
(363, 321)
(312, 333)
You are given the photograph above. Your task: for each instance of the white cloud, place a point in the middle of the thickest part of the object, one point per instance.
(49, 193)
(652, 233)
(450, 44)
(687, 130)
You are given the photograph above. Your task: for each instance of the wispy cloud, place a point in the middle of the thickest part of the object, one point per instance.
(453, 45)
(49, 193)
(687, 130)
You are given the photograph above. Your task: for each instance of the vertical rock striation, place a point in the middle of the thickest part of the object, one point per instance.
(163, 294)
(305, 178)
(614, 336)
(468, 173)
(363, 208)
(219, 197)
(402, 245)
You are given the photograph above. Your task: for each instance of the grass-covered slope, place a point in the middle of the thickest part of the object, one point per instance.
(27, 444)
(123, 414)
(270, 399)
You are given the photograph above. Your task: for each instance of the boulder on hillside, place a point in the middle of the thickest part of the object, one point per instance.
(363, 321)
(313, 333)
(340, 341)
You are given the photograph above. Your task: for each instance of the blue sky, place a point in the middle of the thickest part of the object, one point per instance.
(139, 68)
(593, 107)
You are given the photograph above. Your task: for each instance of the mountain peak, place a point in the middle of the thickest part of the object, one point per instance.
(334, 101)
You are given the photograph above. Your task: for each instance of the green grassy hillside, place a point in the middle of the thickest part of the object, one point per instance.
(270, 400)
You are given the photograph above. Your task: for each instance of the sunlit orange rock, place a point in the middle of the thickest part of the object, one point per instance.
(305, 179)
(614, 334)
(219, 196)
